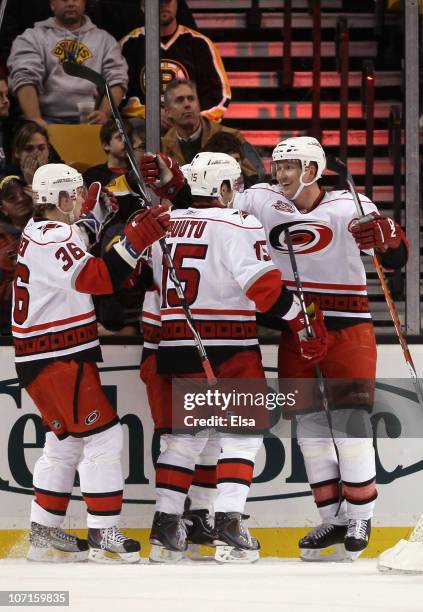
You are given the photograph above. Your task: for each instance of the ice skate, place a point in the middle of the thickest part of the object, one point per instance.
(53, 545)
(357, 537)
(233, 541)
(168, 538)
(324, 543)
(110, 545)
(199, 533)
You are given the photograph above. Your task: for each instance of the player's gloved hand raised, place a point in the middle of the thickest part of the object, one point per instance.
(313, 349)
(162, 174)
(99, 207)
(144, 228)
(376, 232)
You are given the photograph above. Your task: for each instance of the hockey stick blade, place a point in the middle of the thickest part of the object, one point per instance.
(334, 164)
(83, 72)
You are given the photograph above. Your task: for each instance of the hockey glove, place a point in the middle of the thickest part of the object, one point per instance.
(376, 232)
(313, 349)
(145, 228)
(99, 207)
(162, 174)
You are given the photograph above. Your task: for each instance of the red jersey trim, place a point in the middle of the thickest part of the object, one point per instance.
(150, 315)
(211, 311)
(27, 330)
(289, 283)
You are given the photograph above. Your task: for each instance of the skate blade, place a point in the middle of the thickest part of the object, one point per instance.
(199, 552)
(99, 555)
(385, 569)
(160, 554)
(230, 554)
(53, 555)
(352, 555)
(333, 554)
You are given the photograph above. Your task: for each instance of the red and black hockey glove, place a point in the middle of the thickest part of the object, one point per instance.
(162, 174)
(145, 228)
(376, 232)
(98, 207)
(313, 349)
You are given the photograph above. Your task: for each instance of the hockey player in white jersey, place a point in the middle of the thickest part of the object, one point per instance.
(56, 349)
(202, 490)
(325, 236)
(327, 243)
(221, 257)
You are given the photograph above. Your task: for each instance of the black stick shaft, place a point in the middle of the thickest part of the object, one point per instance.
(319, 376)
(338, 166)
(2, 11)
(91, 75)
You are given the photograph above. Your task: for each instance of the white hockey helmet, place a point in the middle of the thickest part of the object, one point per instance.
(185, 169)
(209, 170)
(306, 149)
(51, 180)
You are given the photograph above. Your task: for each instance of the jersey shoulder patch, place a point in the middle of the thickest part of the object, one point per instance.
(47, 232)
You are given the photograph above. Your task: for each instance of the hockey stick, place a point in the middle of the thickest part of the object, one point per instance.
(83, 72)
(2, 11)
(338, 166)
(309, 330)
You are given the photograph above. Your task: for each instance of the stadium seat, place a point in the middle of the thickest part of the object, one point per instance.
(78, 145)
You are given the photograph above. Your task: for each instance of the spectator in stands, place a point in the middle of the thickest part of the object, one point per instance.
(15, 209)
(4, 113)
(31, 149)
(191, 130)
(45, 92)
(186, 54)
(114, 147)
(226, 142)
(138, 139)
(119, 314)
(115, 16)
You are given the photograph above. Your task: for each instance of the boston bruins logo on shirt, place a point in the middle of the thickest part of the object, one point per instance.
(169, 69)
(306, 236)
(72, 48)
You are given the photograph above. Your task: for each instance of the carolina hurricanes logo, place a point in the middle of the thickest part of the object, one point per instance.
(307, 236)
(92, 417)
(49, 226)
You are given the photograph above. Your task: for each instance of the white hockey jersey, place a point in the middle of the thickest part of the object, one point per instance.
(328, 260)
(219, 254)
(50, 319)
(151, 323)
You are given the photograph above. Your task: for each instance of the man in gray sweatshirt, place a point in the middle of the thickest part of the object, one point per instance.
(45, 92)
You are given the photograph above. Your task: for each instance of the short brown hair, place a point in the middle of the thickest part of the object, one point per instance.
(25, 134)
(224, 142)
(110, 128)
(173, 85)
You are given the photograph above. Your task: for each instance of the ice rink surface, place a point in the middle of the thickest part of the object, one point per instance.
(271, 584)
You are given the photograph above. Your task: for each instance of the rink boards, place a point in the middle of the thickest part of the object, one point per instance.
(280, 502)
